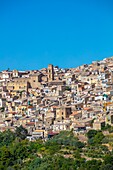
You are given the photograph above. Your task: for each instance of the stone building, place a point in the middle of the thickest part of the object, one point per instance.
(50, 72)
(63, 112)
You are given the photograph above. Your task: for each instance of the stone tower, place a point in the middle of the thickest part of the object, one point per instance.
(50, 72)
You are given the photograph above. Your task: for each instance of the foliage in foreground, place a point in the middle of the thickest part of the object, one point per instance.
(63, 152)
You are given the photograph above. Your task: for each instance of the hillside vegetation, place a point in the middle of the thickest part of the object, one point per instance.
(62, 152)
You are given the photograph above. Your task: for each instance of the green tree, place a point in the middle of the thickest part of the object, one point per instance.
(108, 159)
(95, 137)
(92, 165)
(35, 164)
(98, 137)
(21, 132)
(91, 133)
(6, 137)
(106, 167)
(6, 158)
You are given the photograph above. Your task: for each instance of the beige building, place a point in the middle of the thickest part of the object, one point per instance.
(18, 84)
(35, 80)
(63, 112)
(97, 125)
(22, 84)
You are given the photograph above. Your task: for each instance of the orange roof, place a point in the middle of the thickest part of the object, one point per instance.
(13, 113)
(30, 123)
(74, 113)
(55, 106)
(87, 108)
(30, 107)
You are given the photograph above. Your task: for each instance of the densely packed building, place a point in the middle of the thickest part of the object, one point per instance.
(52, 99)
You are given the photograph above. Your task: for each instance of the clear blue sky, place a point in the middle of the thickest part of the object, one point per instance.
(68, 33)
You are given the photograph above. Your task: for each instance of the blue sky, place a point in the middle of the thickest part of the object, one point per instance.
(67, 33)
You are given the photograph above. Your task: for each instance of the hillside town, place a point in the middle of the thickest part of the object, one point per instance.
(53, 99)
